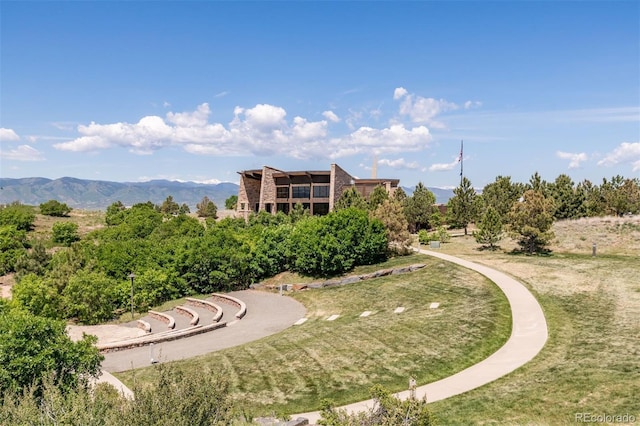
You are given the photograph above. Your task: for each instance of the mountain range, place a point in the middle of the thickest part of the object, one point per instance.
(98, 195)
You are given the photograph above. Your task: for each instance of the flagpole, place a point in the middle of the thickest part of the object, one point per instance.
(461, 160)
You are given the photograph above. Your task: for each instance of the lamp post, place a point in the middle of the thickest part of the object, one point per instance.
(132, 276)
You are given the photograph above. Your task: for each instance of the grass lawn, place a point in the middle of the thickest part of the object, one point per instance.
(340, 360)
(591, 363)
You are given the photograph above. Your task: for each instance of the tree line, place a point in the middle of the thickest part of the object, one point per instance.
(526, 211)
(175, 255)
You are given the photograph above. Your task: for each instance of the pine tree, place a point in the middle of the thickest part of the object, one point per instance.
(207, 208)
(378, 196)
(489, 229)
(462, 208)
(392, 217)
(531, 220)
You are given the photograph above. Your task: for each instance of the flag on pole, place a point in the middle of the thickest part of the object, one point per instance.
(460, 160)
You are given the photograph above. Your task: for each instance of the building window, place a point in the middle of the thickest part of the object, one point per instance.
(306, 206)
(282, 192)
(321, 191)
(241, 206)
(283, 207)
(320, 208)
(257, 209)
(268, 207)
(301, 191)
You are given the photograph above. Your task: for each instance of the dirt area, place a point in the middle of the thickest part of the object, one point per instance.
(105, 333)
(6, 282)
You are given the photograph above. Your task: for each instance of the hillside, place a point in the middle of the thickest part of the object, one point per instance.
(97, 195)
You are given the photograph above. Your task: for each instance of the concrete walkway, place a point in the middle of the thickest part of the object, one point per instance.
(528, 337)
(267, 313)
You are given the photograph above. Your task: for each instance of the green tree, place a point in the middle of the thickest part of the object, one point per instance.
(169, 207)
(89, 297)
(218, 261)
(501, 195)
(378, 196)
(141, 220)
(115, 213)
(536, 183)
(489, 231)
(350, 198)
(18, 215)
(231, 202)
(65, 233)
(35, 261)
(207, 208)
(531, 220)
(268, 255)
(621, 195)
(419, 207)
(184, 209)
(13, 245)
(32, 348)
(399, 195)
(298, 212)
(392, 216)
(38, 295)
(594, 202)
(335, 243)
(177, 227)
(569, 202)
(462, 208)
(54, 208)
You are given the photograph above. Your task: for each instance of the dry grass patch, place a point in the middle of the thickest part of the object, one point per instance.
(87, 221)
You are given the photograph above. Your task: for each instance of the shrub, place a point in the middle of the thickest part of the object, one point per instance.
(54, 208)
(65, 233)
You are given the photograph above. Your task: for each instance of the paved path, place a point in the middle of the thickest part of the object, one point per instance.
(528, 336)
(267, 314)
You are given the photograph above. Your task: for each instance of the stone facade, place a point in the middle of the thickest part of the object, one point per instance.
(340, 180)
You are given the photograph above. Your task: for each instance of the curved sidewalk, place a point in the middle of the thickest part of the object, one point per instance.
(528, 336)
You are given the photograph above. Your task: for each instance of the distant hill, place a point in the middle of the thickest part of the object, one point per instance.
(98, 195)
(442, 194)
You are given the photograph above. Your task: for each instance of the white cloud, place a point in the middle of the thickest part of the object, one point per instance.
(23, 153)
(472, 104)
(265, 117)
(198, 117)
(574, 158)
(331, 116)
(626, 152)
(261, 130)
(422, 110)
(443, 167)
(305, 130)
(399, 163)
(399, 93)
(8, 135)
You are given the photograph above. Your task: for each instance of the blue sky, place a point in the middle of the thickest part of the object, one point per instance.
(131, 91)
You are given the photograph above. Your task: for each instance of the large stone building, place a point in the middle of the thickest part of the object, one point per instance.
(274, 190)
